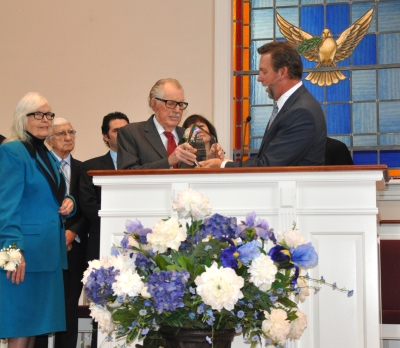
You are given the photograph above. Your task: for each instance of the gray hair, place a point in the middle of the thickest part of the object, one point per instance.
(29, 103)
(157, 91)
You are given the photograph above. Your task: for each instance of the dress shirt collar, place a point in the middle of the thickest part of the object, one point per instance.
(113, 155)
(66, 159)
(161, 130)
(285, 96)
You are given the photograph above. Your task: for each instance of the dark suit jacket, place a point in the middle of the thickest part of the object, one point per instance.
(90, 198)
(337, 153)
(140, 146)
(1, 139)
(297, 136)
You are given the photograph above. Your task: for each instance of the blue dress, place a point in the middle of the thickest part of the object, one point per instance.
(30, 195)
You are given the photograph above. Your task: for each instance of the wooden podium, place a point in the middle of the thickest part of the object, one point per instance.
(333, 207)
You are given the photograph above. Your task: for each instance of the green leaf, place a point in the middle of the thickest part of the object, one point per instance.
(132, 335)
(161, 262)
(186, 263)
(309, 44)
(281, 276)
(286, 302)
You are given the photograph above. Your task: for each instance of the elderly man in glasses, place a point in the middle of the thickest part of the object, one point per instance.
(157, 142)
(62, 142)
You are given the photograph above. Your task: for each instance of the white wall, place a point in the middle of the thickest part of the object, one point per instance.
(93, 57)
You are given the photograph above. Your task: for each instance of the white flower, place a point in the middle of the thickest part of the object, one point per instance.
(191, 203)
(3, 258)
(298, 325)
(122, 262)
(101, 316)
(275, 326)
(262, 272)
(304, 290)
(94, 264)
(15, 255)
(128, 283)
(291, 238)
(219, 287)
(166, 234)
(144, 293)
(10, 266)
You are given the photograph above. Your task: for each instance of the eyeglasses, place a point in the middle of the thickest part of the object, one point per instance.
(39, 115)
(71, 132)
(171, 104)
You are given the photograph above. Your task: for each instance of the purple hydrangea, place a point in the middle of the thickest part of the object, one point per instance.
(217, 226)
(260, 226)
(99, 284)
(168, 288)
(143, 263)
(137, 228)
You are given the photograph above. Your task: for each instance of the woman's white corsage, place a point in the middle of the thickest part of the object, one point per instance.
(10, 258)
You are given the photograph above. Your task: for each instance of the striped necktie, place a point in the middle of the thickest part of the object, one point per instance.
(63, 165)
(273, 115)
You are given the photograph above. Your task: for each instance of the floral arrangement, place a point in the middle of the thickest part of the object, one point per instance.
(199, 271)
(10, 258)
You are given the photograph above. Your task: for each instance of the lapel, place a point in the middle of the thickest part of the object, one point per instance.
(154, 139)
(74, 170)
(107, 162)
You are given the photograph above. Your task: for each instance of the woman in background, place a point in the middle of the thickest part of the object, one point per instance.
(33, 206)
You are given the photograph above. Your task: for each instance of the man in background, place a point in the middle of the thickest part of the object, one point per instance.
(296, 132)
(157, 142)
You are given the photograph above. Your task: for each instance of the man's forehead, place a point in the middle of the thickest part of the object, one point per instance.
(62, 126)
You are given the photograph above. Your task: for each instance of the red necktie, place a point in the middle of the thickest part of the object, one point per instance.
(171, 146)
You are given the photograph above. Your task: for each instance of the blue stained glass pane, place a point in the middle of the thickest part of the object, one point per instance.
(312, 19)
(339, 91)
(390, 139)
(261, 3)
(365, 52)
(358, 10)
(389, 119)
(389, 13)
(254, 56)
(338, 118)
(259, 119)
(315, 90)
(343, 139)
(290, 15)
(286, 2)
(363, 85)
(365, 140)
(391, 158)
(262, 24)
(364, 118)
(388, 46)
(389, 86)
(332, 1)
(311, 2)
(257, 93)
(365, 157)
(337, 18)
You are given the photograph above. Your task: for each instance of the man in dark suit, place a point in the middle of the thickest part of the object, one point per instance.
(156, 143)
(1, 139)
(90, 195)
(296, 132)
(337, 153)
(62, 142)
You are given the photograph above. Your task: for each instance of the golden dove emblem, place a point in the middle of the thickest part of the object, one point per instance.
(325, 50)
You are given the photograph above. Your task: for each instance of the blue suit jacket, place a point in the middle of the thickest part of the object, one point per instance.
(30, 199)
(297, 137)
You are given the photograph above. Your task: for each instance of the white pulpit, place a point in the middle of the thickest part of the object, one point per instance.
(333, 207)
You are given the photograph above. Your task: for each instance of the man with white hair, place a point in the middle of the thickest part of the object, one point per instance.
(62, 142)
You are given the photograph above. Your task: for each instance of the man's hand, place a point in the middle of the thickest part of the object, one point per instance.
(211, 163)
(183, 153)
(69, 238)
(216, 152)
(67, 206)
(18, 275)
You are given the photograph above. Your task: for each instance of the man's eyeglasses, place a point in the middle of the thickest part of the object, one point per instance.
(171, 104)
(61, 134)
(39, 115)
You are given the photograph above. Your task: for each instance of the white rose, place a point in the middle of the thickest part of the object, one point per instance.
(122, 262)
(219, 287)
(101, 316)
(3, 258)
(275, 326)
(127, 283)
(167, 234)
(262, 272)
(298, 325)
(15, 255)
(191, 203)
(10, 266)
(291, 238)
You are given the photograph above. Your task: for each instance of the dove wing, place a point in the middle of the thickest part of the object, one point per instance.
(349, 39)
(296, 36)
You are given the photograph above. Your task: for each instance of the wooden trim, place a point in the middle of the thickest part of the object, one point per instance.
(387, 222)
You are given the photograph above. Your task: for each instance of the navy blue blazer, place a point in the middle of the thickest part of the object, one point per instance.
(297, 137)
(30, 199)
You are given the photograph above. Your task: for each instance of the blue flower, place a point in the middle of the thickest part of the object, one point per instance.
(99, 284)
(350, 293)
(240, 314)
(200, 309)
(249, 251)
(229, 257)
(208, 339)
(147, 303)
(168, 288)
(114, 251)
(192, 315)
(255, 228)
(334, 286)
(136, 227)
(304, 255)
(145, 331)
(277, 255)
(322, 279)
(217, 226)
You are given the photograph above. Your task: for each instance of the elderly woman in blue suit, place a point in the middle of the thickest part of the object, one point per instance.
(33, 207)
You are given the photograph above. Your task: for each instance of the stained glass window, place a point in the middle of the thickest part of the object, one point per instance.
(363, 111)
